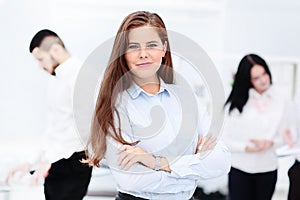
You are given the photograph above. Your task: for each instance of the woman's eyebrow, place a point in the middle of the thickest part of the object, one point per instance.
(154, 41)
(133, 43)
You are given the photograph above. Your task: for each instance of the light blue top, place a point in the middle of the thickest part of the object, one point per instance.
(168, 124)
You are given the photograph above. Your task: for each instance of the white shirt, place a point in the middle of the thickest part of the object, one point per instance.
(262, 118)
(135, 112)
(61, 138)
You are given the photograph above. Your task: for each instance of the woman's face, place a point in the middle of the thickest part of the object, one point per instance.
(144, 53)
(260, 79)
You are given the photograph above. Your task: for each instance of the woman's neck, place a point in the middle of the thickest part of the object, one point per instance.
(150, 86)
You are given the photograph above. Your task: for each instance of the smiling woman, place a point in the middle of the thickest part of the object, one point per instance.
(137, 125)
(144, 56)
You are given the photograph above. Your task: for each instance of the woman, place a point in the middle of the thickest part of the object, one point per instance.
(251, 132)
(137, 126)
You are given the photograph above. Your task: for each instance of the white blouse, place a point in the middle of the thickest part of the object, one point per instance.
(262, 118)
(159, 132)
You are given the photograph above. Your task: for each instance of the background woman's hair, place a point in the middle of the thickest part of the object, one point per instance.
(242, 82)
(116, 80)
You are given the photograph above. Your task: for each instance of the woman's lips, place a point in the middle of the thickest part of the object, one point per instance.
(145, 64)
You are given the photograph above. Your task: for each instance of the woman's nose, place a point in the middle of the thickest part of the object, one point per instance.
(143, 53)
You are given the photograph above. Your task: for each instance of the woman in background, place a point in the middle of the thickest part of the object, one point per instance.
(255, 112)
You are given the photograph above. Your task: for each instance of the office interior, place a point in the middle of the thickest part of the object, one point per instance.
(225, 29)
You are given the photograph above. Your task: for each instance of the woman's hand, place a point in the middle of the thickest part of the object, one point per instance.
(259, 145)
(205, 143)
(130, 155)
(288, 138)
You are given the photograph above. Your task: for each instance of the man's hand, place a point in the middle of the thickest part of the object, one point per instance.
(40, 173)
(22, 168)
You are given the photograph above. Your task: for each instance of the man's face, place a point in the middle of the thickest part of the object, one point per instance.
(45, 60)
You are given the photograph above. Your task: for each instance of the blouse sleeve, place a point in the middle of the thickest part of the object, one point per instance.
(231, 134)
(140, 178)
(204, 165)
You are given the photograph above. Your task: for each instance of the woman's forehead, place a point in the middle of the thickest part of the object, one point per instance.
(143, 34)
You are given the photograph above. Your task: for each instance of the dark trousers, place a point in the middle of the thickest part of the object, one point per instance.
(294, 176)
(124, 196)
(246, 186)
(68, 179)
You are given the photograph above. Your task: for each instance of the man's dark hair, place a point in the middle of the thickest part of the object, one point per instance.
(40, 36)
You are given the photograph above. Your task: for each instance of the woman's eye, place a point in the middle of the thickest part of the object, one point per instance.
(133, 47)
(152, 46)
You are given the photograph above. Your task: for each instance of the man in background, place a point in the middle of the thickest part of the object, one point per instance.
(58, 160)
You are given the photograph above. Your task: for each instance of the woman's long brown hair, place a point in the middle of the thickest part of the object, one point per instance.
(116, 80)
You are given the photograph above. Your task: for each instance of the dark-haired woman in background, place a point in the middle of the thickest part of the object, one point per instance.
(254, 122)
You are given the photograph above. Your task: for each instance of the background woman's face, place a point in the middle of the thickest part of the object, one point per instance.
(260, 79)
(144, 53)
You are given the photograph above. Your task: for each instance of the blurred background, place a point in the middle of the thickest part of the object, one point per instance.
(225, 29)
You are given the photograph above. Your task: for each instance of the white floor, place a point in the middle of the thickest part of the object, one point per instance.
(13, 149)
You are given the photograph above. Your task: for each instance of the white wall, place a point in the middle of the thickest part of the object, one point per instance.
(222, 27)
(269, 27)
(83, 25)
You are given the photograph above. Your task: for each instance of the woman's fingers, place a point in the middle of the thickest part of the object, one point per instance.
(200, 138)
(129, 155)
(123, 154)
(125, 160)
(288, 138)
(205, 143)
(209, 144)
(124, 148)
(131, 160)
